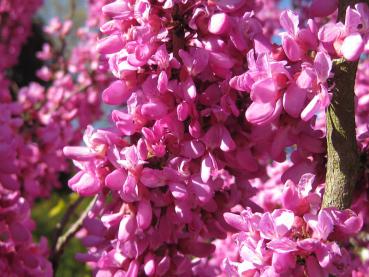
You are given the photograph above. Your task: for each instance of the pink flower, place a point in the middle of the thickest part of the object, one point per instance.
(296, 41)
(321, 224)
(264, 80)
(349, 39)
(219, 137)
(314, 79)
(85, 183)
(299, 197)
(219, 23)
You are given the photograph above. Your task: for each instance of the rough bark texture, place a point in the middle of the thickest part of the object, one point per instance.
(343, 159)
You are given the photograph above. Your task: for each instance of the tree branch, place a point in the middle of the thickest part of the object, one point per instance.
(63, 222)
(72, 9)
(63, 240)
(343, 159)
(178, 35)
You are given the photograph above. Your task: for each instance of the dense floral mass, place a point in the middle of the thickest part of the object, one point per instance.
(296, 239)
(37, 121)
(213, 162)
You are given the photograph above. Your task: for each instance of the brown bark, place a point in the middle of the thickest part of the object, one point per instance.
(343, 159)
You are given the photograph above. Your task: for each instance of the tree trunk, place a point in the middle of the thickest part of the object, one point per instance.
(343, 158)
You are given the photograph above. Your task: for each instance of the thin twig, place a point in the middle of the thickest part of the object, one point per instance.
(65, 100)
(178, 34)
(63, 240)
(59, 228)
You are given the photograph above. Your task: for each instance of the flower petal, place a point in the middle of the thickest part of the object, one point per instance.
(352, 47)
(294, 100)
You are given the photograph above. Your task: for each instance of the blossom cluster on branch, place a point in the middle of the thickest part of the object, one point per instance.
(206, 100)
(296, 239)
(214, 161)
(36, 122)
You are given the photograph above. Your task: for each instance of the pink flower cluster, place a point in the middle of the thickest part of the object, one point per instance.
(214, 265)
(293, 81)
(349, 40)
(36, 122)
(19, 255)
(188, 144)
(298, 80)
(214, 162)
(181, 166)
(15, 26)
(55, 114)
(67, 106)
(295, 240)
